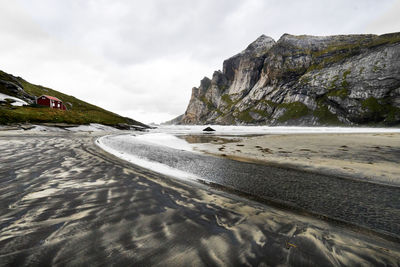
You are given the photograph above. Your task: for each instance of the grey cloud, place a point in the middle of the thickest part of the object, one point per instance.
(151, 53)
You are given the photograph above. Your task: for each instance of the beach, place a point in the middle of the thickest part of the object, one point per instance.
(66, 201)
(370, 157)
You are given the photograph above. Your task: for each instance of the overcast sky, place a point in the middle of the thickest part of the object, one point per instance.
(141, 58)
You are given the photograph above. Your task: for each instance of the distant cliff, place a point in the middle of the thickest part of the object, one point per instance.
(175, 120)
(304, 80)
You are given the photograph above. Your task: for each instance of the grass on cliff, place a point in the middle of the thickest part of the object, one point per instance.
(335, 53)
(377, 110)
(245, 116)
(79, 112)
(44, 114)
(208, 103)
(229, 102)
(325, 117)
(293, 111)
(342, 90)
(355, 47)
(226, 98)
(68, 100)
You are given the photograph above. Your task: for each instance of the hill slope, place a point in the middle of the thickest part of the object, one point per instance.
(79, 112)
(304, 80)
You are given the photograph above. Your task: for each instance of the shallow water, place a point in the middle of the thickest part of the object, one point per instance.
(372, 206)
(250, 130)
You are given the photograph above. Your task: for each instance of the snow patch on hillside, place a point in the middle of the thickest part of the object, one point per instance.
(17, 102)
(93, 127)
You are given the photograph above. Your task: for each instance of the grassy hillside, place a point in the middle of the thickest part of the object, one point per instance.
(79, 112)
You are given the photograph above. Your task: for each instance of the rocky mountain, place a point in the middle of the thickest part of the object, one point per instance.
(79, 112)
(175, 120)
(304, 80)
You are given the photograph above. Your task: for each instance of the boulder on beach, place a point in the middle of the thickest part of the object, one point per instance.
(208, 129)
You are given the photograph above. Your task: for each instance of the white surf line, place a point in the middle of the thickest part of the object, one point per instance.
(164, 139)
(145, 163)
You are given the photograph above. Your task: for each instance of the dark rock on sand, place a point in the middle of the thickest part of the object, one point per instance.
(125, 126)
(208, 129)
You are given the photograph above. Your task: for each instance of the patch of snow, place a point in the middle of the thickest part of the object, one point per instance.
(41, 128)
(143, 162)
(18, 102)
(93, 127)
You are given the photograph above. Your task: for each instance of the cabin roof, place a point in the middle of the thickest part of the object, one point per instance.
(51, 97)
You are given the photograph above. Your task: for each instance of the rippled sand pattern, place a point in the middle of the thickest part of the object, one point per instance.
(365, 204)
(63, 201)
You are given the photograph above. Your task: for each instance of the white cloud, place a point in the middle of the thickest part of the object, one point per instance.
(141, 58)
(387, 22)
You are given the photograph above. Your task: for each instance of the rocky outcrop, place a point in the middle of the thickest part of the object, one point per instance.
(9, 85)
(174, 121)
(304, 80)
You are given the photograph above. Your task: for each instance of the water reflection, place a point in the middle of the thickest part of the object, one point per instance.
(200, 139)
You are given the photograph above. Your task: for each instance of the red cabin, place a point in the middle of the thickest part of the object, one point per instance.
(50, 101)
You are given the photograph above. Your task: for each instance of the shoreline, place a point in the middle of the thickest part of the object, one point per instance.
(193, 180)
(272, 184)
(368, 157)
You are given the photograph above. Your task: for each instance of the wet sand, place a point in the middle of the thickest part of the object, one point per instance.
(368, 157)
(64, 201)
(354, 202)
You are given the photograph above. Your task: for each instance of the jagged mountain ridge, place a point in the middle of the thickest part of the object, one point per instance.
(304, 80)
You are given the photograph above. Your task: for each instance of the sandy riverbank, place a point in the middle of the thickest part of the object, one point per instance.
(374, 157)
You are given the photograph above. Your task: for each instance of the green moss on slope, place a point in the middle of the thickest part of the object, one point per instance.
(342, 93)
(227, 99)
(294, 110)
(41, 115)
(337, 52)
(245, 116)
(376, 110)
(260, 112)
(342, 90)
(79, 112)
(208, 103)
(325, 116)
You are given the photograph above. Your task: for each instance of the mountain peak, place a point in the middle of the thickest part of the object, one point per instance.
(305, 80)
(261, 44)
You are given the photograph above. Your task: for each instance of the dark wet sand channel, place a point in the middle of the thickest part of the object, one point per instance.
(372, 206)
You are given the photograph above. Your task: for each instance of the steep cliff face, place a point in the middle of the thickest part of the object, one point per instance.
(304, 80)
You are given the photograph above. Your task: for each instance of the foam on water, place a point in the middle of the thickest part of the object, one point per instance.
(164, 139)
(143, 162)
